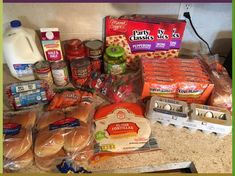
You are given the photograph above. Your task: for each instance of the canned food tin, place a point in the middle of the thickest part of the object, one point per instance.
(81, 69)
(60, 73)
(94, 49)
(43, 71)
(74, 48)
(96, 65)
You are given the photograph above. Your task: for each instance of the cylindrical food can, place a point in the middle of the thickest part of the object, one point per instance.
(43, 71)
(74, 49)
(81, 70)
(94, 49)
(95, 65)
(60, 73)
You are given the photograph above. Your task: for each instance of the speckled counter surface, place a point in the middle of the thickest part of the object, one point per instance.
(209, 153)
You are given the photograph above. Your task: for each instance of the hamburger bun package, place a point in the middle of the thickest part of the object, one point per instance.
(17, 139)
(121, 128)
(64, 136)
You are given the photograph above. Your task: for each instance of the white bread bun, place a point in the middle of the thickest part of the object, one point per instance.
(48, 143)
(26, 119)
(20, 162)
(48, 163)
(48, 118)
(17, 145)
(76, 139)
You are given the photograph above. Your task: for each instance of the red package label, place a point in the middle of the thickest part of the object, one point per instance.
(53, 55)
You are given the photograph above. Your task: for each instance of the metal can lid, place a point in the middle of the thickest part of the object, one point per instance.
(80, 62)
(115, 51)
(42, 66)
(58, 64)
(94, 44)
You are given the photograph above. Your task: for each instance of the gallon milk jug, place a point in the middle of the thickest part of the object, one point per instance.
(21, 51)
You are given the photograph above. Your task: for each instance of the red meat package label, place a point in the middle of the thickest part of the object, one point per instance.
(139, 36)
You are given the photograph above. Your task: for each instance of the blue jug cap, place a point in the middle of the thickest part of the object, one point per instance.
(15, 23)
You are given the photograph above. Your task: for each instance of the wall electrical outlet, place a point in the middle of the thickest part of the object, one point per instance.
(185, 7)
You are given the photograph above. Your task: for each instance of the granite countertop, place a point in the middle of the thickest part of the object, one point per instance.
(209, 153)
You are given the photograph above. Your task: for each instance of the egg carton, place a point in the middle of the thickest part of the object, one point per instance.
(167, 111)
(195, 117)
(209, 119)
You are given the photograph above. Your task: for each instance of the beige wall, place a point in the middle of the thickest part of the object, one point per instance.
(85, 20)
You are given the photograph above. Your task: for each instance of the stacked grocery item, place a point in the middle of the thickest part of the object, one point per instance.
(182, 79)
(18, 140)
(68, 132)
(145, 37)
(208, 119)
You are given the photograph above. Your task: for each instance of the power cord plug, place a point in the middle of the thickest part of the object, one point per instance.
(188, 16)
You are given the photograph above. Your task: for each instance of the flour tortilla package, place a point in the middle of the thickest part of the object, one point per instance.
(17, 139)
(121, 128)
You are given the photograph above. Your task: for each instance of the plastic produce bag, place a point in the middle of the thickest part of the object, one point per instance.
(68, 97)
(115, 89)
(222, 93)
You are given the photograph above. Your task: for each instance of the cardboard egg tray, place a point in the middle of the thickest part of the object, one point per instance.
(208, 119)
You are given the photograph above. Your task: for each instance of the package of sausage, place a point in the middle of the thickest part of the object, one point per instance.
(26, 94)
(121, 128)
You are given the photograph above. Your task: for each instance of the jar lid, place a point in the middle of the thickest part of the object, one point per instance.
(94, 44)
(74, 44)
(80, 62)
(115, 51)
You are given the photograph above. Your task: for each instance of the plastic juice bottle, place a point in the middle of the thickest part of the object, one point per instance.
(21, 51)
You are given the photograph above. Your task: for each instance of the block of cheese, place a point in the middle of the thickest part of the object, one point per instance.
(121, 127)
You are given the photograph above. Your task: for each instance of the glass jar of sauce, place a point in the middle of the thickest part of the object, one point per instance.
(115, 60)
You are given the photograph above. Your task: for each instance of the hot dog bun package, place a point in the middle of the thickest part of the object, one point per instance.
(63, 136)
(17, 139)
(222, 93)
(144, 37)
(121, 128)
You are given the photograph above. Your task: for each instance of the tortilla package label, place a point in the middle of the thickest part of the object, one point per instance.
(121, 129)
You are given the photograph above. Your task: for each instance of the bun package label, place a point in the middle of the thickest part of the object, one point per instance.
(121, 129)
(11, 128)
(64, 123)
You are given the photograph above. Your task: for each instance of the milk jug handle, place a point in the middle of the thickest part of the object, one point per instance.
(29, 43)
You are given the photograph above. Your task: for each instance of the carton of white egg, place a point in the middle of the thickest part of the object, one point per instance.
(195, 117)
(167, 111)
(210, 119)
